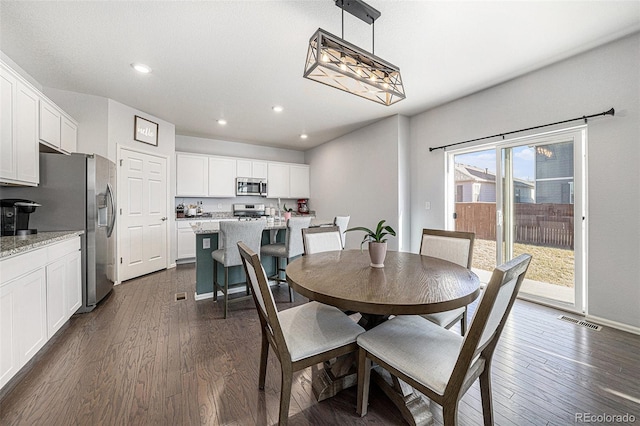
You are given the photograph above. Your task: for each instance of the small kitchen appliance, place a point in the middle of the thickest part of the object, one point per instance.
(15, 216)
(248, 211)
(303, 206)
(251, 186)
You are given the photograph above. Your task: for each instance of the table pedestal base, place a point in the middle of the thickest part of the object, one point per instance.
(333, 376)
(413, 407)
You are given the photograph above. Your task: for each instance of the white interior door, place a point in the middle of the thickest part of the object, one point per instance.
(143, 213)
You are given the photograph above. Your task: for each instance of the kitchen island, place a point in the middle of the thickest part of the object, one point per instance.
(207, 242)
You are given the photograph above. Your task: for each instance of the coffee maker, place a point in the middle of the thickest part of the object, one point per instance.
(303, 206)
(15, 216)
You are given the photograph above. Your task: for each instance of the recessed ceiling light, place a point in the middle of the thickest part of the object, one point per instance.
(222, 122)
(141, 68)
(304, 136)
(277, 108)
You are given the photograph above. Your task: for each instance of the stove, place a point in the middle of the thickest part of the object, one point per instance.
(248, 211)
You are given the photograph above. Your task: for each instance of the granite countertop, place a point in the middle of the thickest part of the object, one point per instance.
(16, 245)
(226, 215)
(214, 227)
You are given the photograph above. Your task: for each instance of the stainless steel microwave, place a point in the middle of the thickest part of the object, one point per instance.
(251, 186)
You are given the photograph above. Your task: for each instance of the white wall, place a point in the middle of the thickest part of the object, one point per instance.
(358, 175)
(589, 83)
(237, 149)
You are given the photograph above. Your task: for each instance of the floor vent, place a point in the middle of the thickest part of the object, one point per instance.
(181, 296)
(582, 323)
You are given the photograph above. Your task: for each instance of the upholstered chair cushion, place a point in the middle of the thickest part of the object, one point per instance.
(314, 328)
(454, 250)
(276, 250)
(443, 319)
(417, 347)
(293, 242)
(249, 232)
(322, 241)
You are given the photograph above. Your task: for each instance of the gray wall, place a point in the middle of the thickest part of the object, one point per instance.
(589, 83)
(358, 175)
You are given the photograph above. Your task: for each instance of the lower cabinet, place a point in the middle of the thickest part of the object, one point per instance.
(186, 241)
(39, 292)
(64, 291)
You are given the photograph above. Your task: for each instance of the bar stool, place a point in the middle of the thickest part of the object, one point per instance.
(291, 247)
(231, 232)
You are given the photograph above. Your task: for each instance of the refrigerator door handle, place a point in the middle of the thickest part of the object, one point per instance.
(112, 222)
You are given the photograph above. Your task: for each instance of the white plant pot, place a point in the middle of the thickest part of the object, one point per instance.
(377, 253)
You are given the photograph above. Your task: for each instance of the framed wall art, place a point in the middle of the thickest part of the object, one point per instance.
(145, 131)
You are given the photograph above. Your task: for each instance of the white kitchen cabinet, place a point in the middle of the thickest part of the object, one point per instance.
(56, 311)
(64, 291)
(298, 181)
(19, 118)
(251, 169)
(68, 136)
(222, 177)
(192, 175)
(186, 241)
(278, 180)
(288, 180)
(50, 121)
(38, 292)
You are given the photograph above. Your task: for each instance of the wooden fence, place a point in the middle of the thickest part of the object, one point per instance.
(539, 224)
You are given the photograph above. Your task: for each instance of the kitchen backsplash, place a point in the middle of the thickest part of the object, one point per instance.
(226, 204)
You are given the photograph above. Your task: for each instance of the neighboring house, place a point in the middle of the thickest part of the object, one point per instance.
(476, 185)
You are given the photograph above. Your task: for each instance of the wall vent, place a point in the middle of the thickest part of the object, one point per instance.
(581, 323)
(181, 296)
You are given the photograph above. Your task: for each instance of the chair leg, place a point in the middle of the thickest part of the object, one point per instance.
(215, 281)
(264, 355)
(450, 414)
(226, 291)
(286, 262)
(364, 378)
(485, 395)
(285, 394)
(463, 322)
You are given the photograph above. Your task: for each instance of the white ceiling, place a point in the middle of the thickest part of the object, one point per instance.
(236, 59)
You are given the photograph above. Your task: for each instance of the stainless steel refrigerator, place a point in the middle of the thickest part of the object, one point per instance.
(77, 192)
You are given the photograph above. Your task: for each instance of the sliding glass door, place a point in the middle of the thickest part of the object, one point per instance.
(539, 209)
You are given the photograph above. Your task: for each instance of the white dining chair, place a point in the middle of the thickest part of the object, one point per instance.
(321, 239)
(440, 364)
(342, 222)
(456, 247)
(301, 337)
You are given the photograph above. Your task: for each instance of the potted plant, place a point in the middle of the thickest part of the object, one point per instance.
(287, 212)
(377, 242)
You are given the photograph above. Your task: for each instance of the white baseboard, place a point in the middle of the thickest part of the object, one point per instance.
(614, 324)
(209, 295)
(171, 265)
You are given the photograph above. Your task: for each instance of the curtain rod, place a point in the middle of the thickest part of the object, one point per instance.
(584, 117)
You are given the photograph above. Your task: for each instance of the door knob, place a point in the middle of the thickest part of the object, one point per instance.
(163, 219)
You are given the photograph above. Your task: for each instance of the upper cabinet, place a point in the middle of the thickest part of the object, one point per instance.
(192, 175)
(251, 169)
(222, 177)
(28, 118)
(288, 180)
(199, 175)
(19, 115)
(298, 181)
(57, 130)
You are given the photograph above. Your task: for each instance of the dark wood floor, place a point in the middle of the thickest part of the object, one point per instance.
(144, 358)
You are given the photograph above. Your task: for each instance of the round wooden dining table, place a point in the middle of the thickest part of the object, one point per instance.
(408, 284)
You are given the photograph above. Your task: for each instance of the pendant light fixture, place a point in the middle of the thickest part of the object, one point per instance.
(333, 61)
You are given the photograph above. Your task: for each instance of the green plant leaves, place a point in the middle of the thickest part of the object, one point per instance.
(378, 236)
